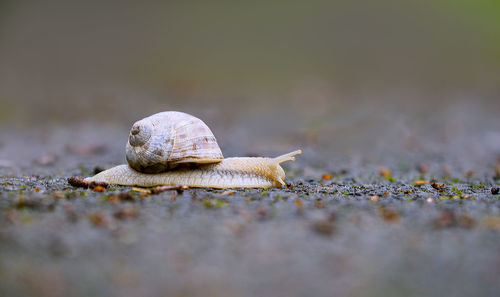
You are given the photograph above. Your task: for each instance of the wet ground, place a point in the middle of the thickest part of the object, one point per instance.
(413, 223)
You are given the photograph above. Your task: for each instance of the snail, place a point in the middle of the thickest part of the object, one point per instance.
(175, 148)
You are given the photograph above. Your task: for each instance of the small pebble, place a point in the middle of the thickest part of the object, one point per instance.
(420, 182)
(324, 227)
(99, 189)
(126, 212)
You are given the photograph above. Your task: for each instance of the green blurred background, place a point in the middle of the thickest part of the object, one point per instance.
(311, 70)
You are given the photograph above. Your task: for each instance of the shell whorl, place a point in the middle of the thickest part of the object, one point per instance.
(164, 140)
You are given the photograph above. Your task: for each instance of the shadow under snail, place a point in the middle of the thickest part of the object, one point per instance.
(175, 148)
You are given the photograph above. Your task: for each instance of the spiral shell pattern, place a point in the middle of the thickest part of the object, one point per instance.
(164, 140)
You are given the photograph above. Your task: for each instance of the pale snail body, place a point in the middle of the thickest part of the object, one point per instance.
(230, 173)
(186, 139)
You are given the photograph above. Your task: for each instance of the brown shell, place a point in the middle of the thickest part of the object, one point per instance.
(164, 140)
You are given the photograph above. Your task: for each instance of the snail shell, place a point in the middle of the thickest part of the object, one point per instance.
(167, 139)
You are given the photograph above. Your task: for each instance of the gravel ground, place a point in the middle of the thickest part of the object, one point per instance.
(347, 226)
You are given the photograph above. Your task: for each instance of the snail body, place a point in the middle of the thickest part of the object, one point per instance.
(229, 173)
(175, 148)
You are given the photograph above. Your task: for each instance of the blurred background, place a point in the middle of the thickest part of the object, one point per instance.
(343, 76)
(366, 88)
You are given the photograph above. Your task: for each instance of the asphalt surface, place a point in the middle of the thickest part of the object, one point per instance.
(408, 224)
